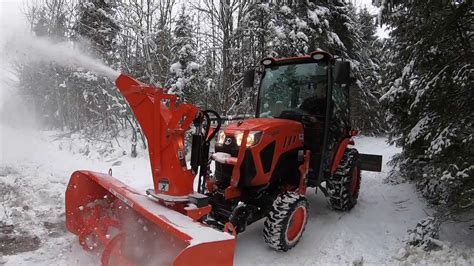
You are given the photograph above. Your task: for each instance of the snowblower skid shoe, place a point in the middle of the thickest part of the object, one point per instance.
(132, 229)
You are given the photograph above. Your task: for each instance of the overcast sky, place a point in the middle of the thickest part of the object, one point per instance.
(382, 32)
(11, 14)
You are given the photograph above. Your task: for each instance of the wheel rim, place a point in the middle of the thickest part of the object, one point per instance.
(296, 223)
(354, 180)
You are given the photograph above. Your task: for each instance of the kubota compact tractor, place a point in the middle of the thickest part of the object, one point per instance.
(299, 138)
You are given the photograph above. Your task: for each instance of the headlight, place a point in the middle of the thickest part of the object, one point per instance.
(221, 137)
(252, 139)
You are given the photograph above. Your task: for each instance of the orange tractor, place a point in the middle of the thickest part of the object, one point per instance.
(300, 138)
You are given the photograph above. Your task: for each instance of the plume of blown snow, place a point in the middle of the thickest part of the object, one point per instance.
(26, 48)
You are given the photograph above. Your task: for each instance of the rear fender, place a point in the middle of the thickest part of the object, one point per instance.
(341, 148)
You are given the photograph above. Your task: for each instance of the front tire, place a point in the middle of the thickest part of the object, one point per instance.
(286, 221)
(344, 185)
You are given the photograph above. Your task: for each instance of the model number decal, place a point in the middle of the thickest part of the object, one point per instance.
(163, 185)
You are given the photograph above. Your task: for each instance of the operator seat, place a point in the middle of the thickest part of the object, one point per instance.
(315, 106)
(314, 132)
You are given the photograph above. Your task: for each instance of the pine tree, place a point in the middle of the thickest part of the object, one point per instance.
(293, 28)
(185, 80)
(97, 26)
(365, 99)
(429, 96)
(97, 96)
(254, 41)
(338, 29)
(256, 33)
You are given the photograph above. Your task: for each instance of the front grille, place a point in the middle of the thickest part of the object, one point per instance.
(223, 173)
(231, 148)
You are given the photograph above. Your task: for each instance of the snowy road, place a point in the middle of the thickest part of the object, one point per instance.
(34, 171)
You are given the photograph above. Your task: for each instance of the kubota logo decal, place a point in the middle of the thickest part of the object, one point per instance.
(180, 154)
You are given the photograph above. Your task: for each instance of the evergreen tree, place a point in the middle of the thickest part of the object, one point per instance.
(294, 28)
(365, 100)
(254, 40)
(161, 54)
(256, 32)
(96, 25)
(429, 96)
(185, 80)
(97, 98)
(336, 28)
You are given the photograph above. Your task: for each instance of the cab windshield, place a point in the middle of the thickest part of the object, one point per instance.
(296, 87)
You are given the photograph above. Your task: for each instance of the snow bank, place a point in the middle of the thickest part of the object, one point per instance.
(447, 255)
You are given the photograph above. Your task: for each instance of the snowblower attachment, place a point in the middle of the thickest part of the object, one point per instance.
(160, 227)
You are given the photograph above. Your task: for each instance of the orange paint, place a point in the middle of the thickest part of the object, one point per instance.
(341, 148)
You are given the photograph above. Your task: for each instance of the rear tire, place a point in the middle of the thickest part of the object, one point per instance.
(286, 221)
(344, 185)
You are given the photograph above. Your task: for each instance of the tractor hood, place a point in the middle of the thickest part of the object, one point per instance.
(266, 125)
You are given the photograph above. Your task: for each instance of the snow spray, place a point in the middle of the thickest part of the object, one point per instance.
(28, 48)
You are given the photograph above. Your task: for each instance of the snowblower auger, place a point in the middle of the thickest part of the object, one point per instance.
(159, 228)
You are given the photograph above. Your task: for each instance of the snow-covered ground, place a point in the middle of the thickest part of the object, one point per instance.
(35, 168)
(372, 232)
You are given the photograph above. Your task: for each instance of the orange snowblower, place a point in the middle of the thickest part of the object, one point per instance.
(301, 137)
(103, 211)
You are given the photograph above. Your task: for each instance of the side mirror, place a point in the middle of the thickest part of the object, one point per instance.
(342, 72)
(249, 78)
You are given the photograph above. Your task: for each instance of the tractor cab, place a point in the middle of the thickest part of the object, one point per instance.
(299, 87)
(306, 89)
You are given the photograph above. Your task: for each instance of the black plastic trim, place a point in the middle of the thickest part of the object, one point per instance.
(266, 156)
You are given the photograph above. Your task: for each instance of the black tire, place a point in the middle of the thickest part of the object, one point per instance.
(343, 187)
(284, 215)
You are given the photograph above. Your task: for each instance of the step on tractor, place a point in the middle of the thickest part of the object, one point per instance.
(251, 169)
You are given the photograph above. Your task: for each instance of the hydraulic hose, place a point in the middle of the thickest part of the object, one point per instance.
(204, 149)
(218, 127)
